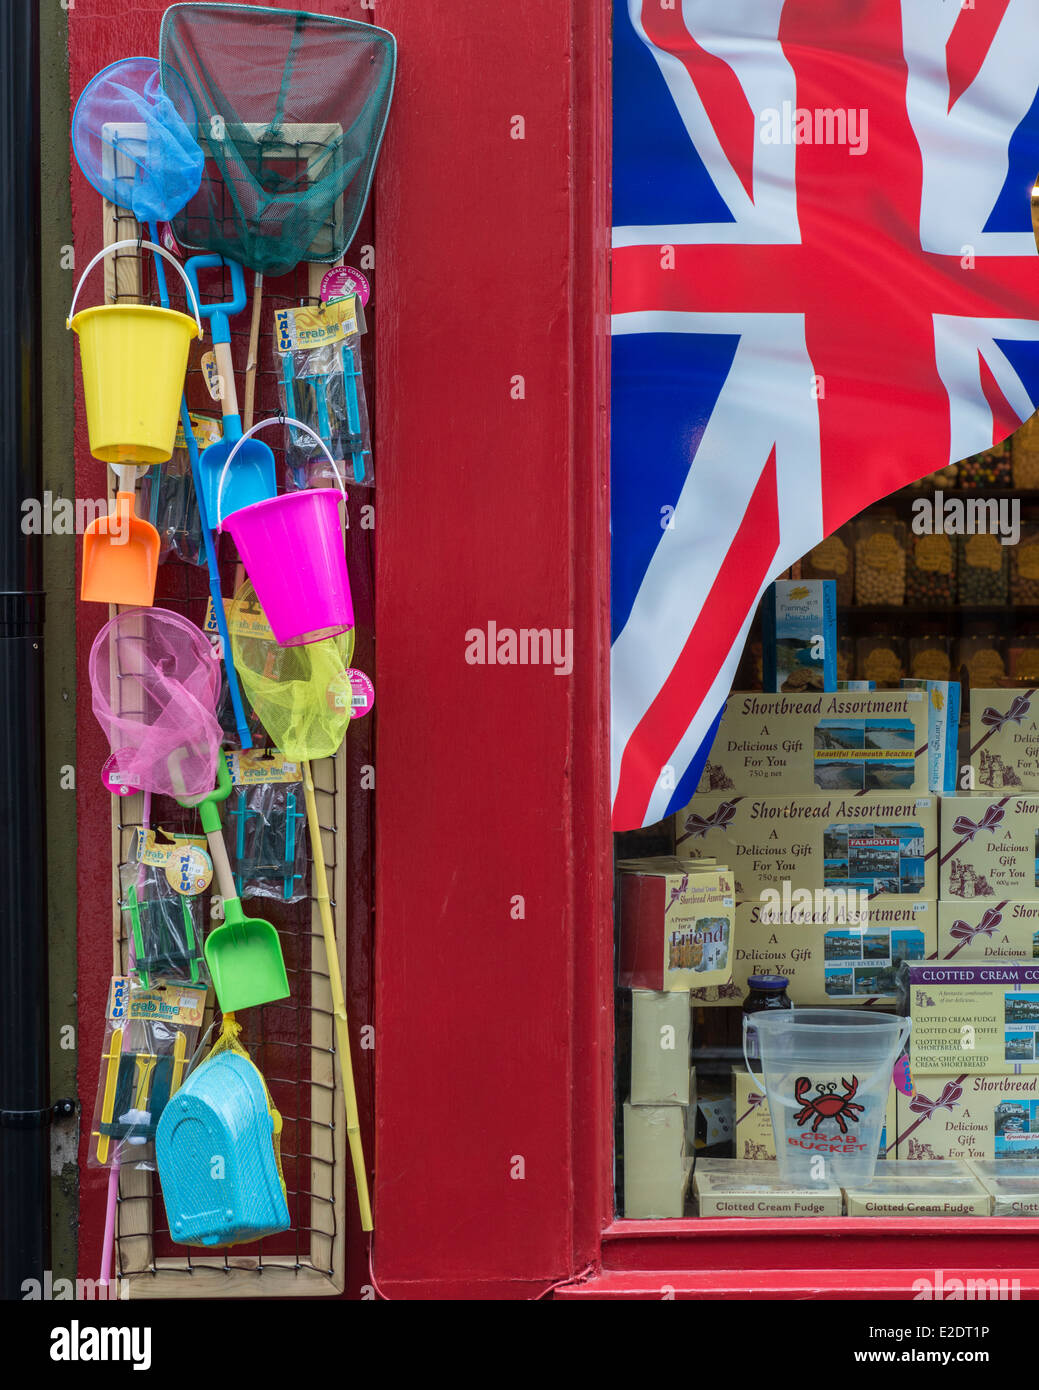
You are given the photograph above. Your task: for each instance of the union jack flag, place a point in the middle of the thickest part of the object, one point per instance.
(824, 287)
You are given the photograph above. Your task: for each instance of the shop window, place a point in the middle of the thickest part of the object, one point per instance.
(865, 837)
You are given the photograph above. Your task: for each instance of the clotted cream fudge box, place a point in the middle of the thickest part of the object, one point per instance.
(985, 930)
(989, 847)
(875, 842)
(1012, 1183)
(749, 1188)
(660, 1037)
(1004, 740)
(965, 1115)
(943, 1188)
(835, 962)
(838, 741)
(976, 1016)
(676, 924)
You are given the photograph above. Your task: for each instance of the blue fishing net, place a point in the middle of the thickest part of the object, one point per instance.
(132, 144)
(290, 110)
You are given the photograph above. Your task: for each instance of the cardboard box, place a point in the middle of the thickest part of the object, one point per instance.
(656, 1163)
(799, 635)
(676, 925)
(943, 731)
(1013, 1184)
(851, 845)
(660, 1036)
(832, 963)
(752, 1123)
(742, 1187)
(986, 930)
(799, 744)
(944, 1188)
(981, 1017)
(965, 1115)
(989, 847)
(1004, 740)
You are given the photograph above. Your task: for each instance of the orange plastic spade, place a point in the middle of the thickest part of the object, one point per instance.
(120, 552)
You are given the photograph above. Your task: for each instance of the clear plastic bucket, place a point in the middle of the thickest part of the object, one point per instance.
(827, 1075)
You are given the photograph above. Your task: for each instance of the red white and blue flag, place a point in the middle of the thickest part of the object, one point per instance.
(825, 285)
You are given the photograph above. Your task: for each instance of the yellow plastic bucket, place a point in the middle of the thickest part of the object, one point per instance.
(134, 359)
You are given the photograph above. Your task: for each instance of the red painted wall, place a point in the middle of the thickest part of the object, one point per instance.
(493, 1034)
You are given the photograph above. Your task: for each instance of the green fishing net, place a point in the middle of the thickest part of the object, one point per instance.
(301, 695)
(290, 110)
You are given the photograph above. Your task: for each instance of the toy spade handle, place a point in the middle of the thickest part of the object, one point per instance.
(118, 245)
(749, 1021)
(225, 371)
(221, 864)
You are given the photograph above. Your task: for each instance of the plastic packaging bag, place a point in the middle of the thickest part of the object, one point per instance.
(165, 927)
(150, 1037)
(317, 353)
(269, 849)
(168, 496)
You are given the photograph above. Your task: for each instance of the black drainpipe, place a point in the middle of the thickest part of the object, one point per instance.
(24, 1085)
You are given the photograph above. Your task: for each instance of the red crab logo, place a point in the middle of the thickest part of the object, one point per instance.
(827, 1105)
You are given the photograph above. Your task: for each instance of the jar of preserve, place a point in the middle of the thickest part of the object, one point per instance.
(764, 992)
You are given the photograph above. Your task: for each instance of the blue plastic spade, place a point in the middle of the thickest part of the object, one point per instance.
(253, 478)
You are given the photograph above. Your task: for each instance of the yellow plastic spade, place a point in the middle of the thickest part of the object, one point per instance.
(121, 552)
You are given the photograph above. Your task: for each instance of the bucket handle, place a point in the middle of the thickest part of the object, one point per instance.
(132, 241)
(274, 420)
(749, 1021)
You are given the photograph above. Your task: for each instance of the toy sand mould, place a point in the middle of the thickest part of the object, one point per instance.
(853, 742)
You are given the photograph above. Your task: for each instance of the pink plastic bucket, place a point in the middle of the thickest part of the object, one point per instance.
(292, 550)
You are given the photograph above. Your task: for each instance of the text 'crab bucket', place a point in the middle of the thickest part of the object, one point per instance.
(826, 1074)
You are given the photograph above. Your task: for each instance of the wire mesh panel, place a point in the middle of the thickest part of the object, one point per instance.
(292, 1041)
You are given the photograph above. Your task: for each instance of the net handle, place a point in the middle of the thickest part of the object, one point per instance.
(274, 420)
(159, 251)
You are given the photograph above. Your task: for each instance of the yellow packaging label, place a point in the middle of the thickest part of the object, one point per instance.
(206, 431)
(178, 1005)
(255, 765)
(315, 326)
(189, 871)
(151, 849)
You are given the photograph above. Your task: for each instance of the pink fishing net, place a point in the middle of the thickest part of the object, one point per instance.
(156, 681)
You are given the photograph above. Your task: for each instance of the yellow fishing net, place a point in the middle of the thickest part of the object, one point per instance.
(301, 695)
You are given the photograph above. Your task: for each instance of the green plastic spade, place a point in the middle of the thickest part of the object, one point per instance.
(244, 954)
